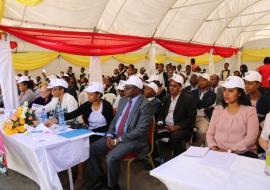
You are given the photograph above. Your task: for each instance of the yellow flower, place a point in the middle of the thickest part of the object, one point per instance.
(22, 121)
(20, 129)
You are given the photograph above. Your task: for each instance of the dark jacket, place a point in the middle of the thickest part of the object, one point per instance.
(263, 107)
(86, 109)
(157, 106)
(111, 90)
(207, 102)
(41, 101)
(184, 113)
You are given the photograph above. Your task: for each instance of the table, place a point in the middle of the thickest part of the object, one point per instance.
(41, 161)
(187, 173)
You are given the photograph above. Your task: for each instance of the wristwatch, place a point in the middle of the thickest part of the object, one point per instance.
(114, 142)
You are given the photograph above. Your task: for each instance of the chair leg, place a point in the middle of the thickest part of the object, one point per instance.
(128, 174)
(150, 160)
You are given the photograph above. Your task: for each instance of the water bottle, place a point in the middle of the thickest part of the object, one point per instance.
(267, 160)
(51, 115)
(44, 116)
(57, 110)
(61, 120)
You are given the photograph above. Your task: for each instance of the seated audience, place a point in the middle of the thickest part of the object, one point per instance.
(205, 99)
(143, 74)
(26, 94)
(60, 97)
(225, 73)
(193, 83)
(265, 135)
(109, 87)
(264, 70)
(234, 126)
(45, 96)
(150, 91)
(214, 85)
(128, 132)
(83, 83)
(177, 116)
(120, 89)
(258, 100)
(243, 70)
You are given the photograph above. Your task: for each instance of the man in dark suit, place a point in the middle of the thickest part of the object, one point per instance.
(205, 99)
(178, 115)
(128, 132)
(163, 76)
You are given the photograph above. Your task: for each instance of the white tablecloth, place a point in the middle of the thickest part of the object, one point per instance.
(186, 173)
(40, 161)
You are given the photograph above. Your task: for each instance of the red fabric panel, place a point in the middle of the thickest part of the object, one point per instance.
(80, 43)
(189, 49)
(98, 44)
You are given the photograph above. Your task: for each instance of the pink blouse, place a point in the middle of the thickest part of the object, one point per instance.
(237, 132)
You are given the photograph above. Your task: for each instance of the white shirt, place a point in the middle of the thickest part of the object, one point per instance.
(266, 128)
(96, 119)
(116, 102)
(200, 112)
(161, 78)
(69, 102)
(169, 119)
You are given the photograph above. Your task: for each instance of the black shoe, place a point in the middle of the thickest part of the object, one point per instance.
(99, 184)
(115, 187)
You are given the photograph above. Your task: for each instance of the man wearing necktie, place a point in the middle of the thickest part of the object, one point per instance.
(128, 132)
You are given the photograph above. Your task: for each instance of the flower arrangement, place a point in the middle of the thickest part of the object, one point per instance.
(18, 122)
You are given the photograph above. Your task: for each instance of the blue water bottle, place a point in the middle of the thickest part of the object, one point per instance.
(44, 117)
(61, 120)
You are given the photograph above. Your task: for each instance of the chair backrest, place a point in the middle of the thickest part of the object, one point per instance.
(110, 97)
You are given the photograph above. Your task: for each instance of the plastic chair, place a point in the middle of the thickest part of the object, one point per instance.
(129, 158)
(110, 97)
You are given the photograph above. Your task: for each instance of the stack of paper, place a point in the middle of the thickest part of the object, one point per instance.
(195, 151)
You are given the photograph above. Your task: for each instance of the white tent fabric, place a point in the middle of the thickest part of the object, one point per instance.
(7, 79)
(229, 23)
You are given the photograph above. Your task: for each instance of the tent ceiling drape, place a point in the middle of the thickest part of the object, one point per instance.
(227, 23)
(98, 44)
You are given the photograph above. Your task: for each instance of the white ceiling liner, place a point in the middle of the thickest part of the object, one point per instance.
(229, 23)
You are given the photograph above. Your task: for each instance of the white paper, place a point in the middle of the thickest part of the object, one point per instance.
(194, 151)
(221, 160)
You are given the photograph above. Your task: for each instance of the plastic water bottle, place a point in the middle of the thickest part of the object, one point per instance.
(267, 160)
(61, 120)
(44, 117)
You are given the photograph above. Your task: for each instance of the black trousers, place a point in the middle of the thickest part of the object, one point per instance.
(113, 159)
(177, 141)
(94, 138)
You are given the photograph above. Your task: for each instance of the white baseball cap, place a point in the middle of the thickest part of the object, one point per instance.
(153, 78)
(234, 82)
(135, 81)
(178, 78)
(95, 87)
(121, 85)
(152, 85)
(22, 79)
(58, 82)
(253, 76)
(205, 76)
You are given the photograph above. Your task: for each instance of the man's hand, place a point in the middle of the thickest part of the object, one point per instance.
(110, 142)
(172, 128)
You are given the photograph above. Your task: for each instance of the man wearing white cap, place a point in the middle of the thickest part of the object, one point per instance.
(120, 89)
(177, 116)
(128, 132)
(26, 94)
(205, 99)
(150, 91)
(253, 81)
(60, 96)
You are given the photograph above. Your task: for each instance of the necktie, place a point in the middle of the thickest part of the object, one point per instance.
(121, 126)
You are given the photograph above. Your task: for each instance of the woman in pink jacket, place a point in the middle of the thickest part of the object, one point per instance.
(234, 126)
